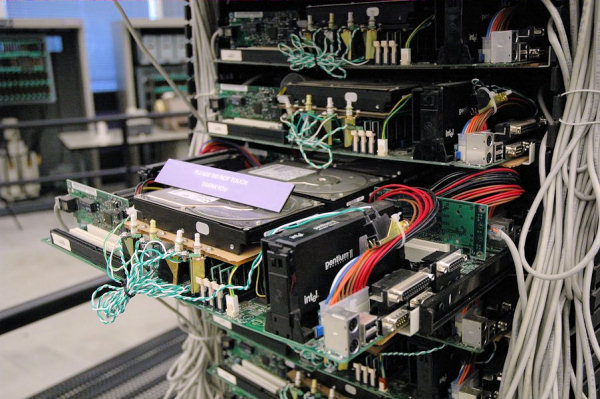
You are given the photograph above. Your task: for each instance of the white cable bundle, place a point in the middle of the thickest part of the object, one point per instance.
(539, 362)
(203, 21)
(187, 377)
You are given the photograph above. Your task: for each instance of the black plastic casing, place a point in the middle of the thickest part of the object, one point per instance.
(302, 263)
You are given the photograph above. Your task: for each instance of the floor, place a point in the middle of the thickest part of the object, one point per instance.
(44, 353)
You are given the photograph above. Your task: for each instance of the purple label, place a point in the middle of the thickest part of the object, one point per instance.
(246, 189)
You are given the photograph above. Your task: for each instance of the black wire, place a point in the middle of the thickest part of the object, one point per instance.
(488, 179)
(478, 184)
(455, 176)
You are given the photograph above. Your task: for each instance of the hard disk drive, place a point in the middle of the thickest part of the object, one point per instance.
(335, 187)
(224, 224)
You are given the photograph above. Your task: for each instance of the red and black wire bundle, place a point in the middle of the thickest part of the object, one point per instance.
(425, 207)
(490, 187)
(219, 145)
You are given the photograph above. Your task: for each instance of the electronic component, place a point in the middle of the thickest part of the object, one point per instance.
(97, 207)
(368, 327)
(498, 223)
(224, 224)
(438, 308)
(445, 266)
(462, 224)
(439, 113)
(294, 258)
(334, 187)
(514, 150)
(247, 111)
(342, 323)
(479, 149)
(371, 97)
(26, 75)
(249, 102)
(508, 46)
(253, 378)
(476, 331)
(86, 245)
(450, 263)
(342, 331)
(396, 288)
(395, 320)
(151, 85)
(67, 203)
(386, 26)
(88, 205)
(260, 28)
(518, 128)
(419, 299)
(454, 49)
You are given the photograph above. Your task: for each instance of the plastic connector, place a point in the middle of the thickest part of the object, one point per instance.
(377, 47)
(393, 51)
(153, 232)
(319, 331)
(197, 245)
(298, 379)
(383, 386)
(384, 50)
(330, 109)
(502, 96)
(350, 22)
(179, 241)
(357, 371)
(405, 56)
(233, 306)
(331, 394)
(371, 139)
(382, 147)
(285, 100)
(363, 141)
(372, 380)
(308, 103)
(133, 215)
(313, 386)
(355, 139)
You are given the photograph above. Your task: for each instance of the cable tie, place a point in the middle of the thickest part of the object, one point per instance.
(578, 123)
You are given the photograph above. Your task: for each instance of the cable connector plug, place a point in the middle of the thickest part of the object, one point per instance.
(233, 306)
(405, 56)
(382, 147)
(153, 232)
(179, 241)
(133, 215)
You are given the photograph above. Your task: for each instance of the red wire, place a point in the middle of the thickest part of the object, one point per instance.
(424, 206)
(497, 197)
(141, 187)
(464, 179)
(484, 190)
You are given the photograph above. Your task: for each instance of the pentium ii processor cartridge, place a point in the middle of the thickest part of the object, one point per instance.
(301, 264)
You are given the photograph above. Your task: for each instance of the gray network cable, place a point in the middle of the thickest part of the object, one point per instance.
(557, 288)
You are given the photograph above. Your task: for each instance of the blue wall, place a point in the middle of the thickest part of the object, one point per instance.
(98, 17)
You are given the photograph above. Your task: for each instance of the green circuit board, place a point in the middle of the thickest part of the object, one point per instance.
(25, 71)
(250, 102)
(97, 207)
(262, 29)
(463, 224)
(279, 364)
